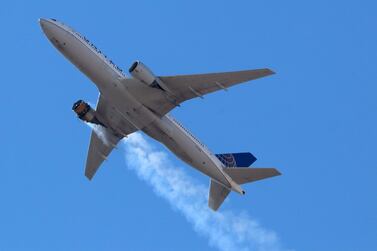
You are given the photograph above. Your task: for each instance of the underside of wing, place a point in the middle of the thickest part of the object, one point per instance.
(184, 87)
(155, 99)
(190, 86)
(101, 144)
(103, 140)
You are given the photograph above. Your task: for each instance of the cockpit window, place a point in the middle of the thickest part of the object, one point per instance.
(53, 19)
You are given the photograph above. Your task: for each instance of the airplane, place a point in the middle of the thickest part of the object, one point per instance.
(142, 103)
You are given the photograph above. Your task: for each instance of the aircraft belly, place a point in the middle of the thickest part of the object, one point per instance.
(142, 103)
(184, 148)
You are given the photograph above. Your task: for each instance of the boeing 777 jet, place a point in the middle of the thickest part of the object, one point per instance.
(142, 103)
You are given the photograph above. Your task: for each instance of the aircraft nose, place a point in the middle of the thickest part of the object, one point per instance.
(42, 21)
(48, 26)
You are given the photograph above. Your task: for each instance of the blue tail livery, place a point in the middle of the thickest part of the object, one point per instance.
(236, 159)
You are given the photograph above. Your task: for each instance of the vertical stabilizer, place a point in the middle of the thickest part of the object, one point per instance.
(236, 159)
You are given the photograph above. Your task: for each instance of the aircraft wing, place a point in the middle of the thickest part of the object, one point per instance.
(185, 87)
(101, 144)
(103, 140)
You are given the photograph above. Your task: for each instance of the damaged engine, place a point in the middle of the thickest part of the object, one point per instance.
(86, 113)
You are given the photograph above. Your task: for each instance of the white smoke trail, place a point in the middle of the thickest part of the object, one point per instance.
(225, 230)
(100, 132)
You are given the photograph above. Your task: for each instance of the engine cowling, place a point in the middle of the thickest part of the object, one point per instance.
(85, 112)
(141, 72)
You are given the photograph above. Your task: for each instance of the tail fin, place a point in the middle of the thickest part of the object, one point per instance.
(236, 159)
(242, 175)
(217, 195)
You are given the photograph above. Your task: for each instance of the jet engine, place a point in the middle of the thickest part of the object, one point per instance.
(141, 72)
(85, 112)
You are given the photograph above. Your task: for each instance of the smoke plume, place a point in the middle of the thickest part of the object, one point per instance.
(225, 230)
(100, 131)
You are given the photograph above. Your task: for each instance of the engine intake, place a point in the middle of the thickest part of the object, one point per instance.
(85, 112)
(141, 72)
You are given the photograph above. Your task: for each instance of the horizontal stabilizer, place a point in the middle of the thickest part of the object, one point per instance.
(217, 195)
(236, 159)
(244, 175)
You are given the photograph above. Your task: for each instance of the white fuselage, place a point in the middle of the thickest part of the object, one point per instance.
(106, 75)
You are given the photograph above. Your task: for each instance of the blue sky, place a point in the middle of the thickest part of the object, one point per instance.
(315, 120)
